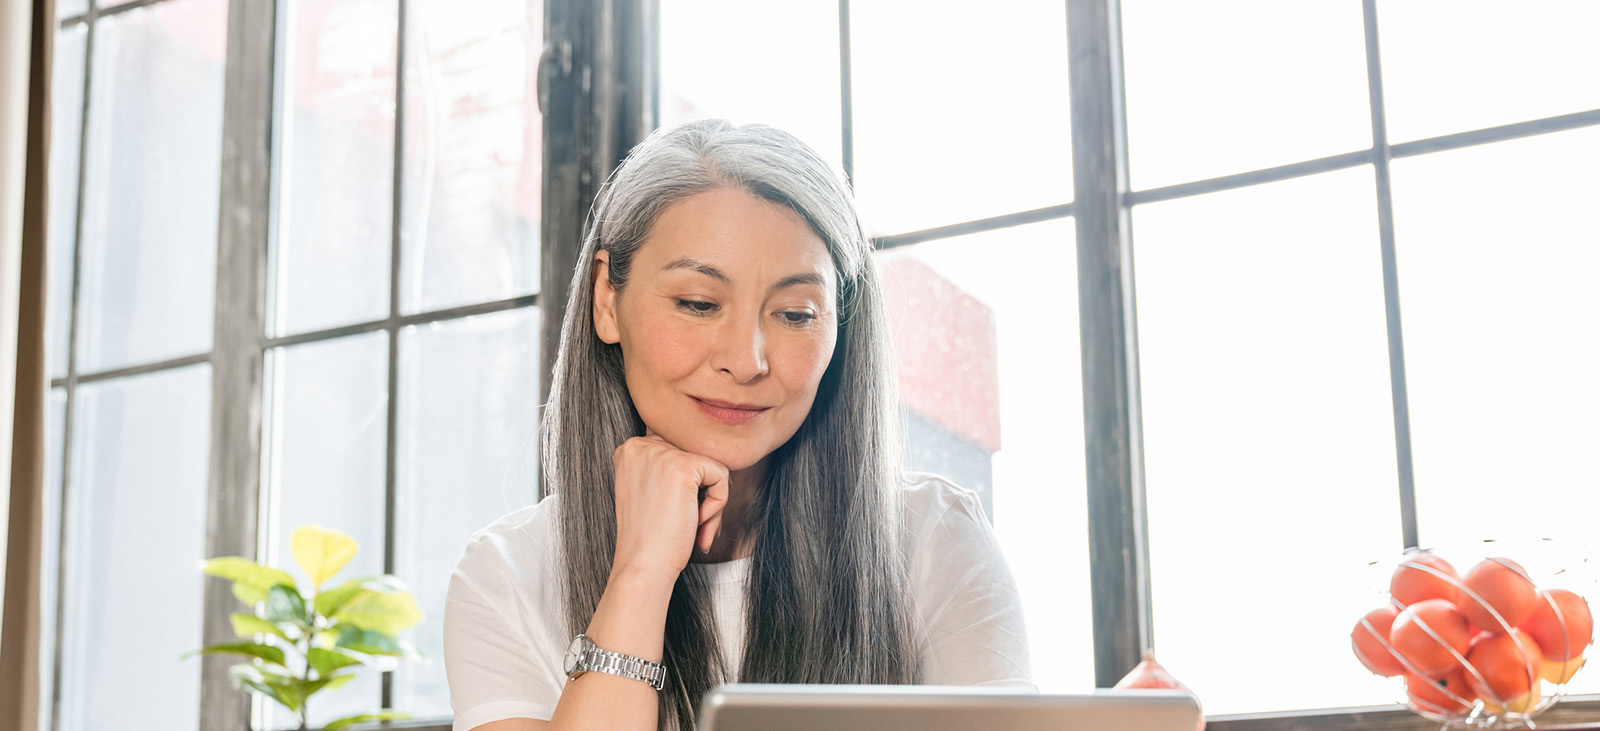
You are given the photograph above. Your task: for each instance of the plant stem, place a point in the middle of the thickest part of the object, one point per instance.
(305, 701)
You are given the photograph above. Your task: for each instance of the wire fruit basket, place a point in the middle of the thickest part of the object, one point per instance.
(1488, 649)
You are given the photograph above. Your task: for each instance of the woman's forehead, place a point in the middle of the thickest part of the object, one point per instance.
(730, 235)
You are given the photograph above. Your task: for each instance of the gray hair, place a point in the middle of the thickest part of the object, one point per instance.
(828, 596)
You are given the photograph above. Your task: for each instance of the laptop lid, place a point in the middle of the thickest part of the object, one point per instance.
(760, 707)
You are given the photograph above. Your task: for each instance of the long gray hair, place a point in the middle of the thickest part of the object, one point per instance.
(828, 597)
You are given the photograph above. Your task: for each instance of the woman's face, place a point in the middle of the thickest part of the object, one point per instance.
(726, 324)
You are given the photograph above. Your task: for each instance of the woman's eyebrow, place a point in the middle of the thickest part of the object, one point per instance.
(696, 265)
(794, 280)
(684, 262)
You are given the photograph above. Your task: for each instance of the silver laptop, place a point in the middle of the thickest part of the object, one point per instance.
(757, 707)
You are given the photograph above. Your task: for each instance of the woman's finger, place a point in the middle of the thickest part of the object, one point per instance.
(714, 480)
(707, 533)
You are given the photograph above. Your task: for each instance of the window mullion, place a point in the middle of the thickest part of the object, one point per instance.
(236, 363)
(1118, 561)
(1391, 283)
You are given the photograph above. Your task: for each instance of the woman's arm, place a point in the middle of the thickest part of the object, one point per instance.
(631, 619)
(661, 517)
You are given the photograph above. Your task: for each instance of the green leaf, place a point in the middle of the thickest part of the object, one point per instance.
(284, 604)
(367, 718)
(281, 688)
(269, 653)
(246, 624)
(321, 553)
(251, 580)
(331, 682)
(327, 661)
(375, 643)
(389, 614)
(330, 601)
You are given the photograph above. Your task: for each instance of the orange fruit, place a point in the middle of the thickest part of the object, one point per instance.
(1447, 696)
(1525, 704)
(1422, 576)
(1560, 672)
(1431, 635)
(1502, 584)
(1369, 637)
(1561, 624)
(1508, 663)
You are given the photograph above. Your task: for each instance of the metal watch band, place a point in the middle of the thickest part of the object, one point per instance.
(627, 666)
(583, 656)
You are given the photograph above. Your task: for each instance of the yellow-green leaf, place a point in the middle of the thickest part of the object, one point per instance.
(269, 653)
(389, 614)
(329, 602)
(246, 624)
(349, 721)
(251, 580)
(321, 553)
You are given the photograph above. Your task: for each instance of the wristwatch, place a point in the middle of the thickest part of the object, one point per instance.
(584, 656)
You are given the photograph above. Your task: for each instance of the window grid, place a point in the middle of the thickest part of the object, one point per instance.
(1105, 36)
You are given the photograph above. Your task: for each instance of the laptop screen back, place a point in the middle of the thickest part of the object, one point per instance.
(756, 707)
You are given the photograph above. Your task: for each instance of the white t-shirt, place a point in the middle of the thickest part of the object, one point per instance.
(505, 634)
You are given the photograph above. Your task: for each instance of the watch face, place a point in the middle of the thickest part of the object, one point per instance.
(574, 652)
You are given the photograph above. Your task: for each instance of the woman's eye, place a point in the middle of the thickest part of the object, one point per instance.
(698, 307)
(797, 318)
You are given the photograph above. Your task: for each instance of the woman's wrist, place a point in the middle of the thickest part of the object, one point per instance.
(638, 578)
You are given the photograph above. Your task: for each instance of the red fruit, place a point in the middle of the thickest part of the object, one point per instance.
(1422, 576)
(1448, 696)
(1431, 635)
(1509, 665)
(1150, 674)
(1545, 625)
(1502, 584)
(1369, 639)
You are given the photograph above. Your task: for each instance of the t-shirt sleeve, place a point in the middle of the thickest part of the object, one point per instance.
(969, 601)
(495, 661)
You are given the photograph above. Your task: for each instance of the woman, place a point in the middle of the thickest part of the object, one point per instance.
(721, 449)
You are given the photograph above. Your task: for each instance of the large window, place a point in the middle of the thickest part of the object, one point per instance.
(1317, 276)
(396, 328)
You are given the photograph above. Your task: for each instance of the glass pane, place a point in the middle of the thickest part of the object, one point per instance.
(150, 219)
(327, 428)
(1268, 436)
(1227, 87)
(136, 530)
(469, 407)
(470, 229)
(1451, 66)
(1500, 307)
(774, 63)
(333, 246)
(1003, 417)
(71, 8)
(958, 114)
(66, 132)
(49, 564)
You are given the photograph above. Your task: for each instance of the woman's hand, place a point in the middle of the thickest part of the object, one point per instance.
(661, 514)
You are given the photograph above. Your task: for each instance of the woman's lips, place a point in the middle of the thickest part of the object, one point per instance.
(730, 414)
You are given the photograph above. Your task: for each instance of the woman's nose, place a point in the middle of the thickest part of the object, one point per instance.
(741, 350)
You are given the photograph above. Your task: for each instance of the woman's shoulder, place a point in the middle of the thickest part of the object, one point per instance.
(929, 499)
(520, 545)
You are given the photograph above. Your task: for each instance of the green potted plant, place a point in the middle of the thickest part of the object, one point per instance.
(299, 645)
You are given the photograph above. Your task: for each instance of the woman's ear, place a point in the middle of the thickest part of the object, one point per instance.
(605, 300)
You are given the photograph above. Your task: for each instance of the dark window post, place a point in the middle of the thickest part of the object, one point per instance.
(235, 466)
(1119, 567)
